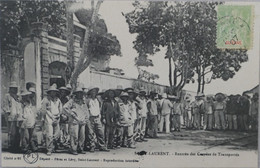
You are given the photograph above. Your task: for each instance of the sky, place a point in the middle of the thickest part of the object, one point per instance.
(245, 79)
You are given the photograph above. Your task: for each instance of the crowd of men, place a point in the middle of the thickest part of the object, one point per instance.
(85, 119)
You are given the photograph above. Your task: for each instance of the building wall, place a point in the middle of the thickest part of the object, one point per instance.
(51, 49)
(106, 81)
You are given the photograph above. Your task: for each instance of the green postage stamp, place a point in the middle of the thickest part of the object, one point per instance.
(234, 27)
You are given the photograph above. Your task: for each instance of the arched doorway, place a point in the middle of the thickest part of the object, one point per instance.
(57, 73)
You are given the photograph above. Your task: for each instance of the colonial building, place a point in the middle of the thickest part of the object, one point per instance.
(43, 60)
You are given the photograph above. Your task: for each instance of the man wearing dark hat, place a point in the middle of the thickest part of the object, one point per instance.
(254, 112)
(95, 119)
(12, 109)
(64, 94)
(32, 89)
(51, 109)
(78, 114)
(110, 111)
(152, 116)
(64, 98)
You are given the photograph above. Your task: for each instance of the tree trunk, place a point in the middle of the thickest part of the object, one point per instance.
(170, 71)
(203, 80)
(175, 76)
(85, 57)
(70, 37)
(199, 79)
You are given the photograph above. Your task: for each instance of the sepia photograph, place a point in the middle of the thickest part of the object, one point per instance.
(124, 83)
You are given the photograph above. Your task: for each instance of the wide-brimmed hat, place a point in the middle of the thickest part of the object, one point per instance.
(220, 96)
(78, 90)
(13, 85)
(124, 94)
(128, 89)
(109, 90)
(153, 93)
(64, 88)
(164, 95)
(68, 86)
(32, 89)
(142, 92)
(85, 90)
(118, 90)
(53, 88)
(29, 85)
(25, 93)
(172, 97)
(91, 88)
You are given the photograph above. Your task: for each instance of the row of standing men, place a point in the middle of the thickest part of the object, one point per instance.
(221, 112)
(83, 119)
(87, 119)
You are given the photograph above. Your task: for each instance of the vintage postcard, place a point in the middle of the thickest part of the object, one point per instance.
(129, 83)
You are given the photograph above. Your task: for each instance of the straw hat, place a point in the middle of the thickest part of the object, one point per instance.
(25, 93)
(64, 88)
(124, 94)
(142, 92)
(129, 89)
(53, 88)
(92, 88)
(172, 97)
(68, 86)
(32, 89)
(164, 95)
(118, 90)
(85, 90)
(78, 90)
(13, 85)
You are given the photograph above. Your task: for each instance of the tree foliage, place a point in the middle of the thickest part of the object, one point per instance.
(17, 17)
(188, 32)
(102, 43)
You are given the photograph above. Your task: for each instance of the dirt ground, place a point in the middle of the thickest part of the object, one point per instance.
(167, 148)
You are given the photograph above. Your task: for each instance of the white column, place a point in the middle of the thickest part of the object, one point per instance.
(38, 73)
